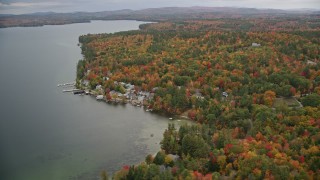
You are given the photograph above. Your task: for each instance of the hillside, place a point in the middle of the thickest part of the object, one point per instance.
(152, 14)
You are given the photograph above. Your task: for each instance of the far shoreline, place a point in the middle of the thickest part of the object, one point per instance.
(71, 23)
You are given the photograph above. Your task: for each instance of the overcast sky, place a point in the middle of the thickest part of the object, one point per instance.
(30, 6)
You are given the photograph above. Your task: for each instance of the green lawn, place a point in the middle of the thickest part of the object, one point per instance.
(291, 102)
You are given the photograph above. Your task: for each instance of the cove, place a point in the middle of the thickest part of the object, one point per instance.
(48, 134)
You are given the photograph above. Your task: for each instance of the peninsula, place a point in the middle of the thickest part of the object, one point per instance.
(252, 82)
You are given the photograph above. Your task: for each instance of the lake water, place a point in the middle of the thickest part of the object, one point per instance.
(48, 134)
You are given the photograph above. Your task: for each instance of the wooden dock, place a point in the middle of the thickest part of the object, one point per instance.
(67, 84)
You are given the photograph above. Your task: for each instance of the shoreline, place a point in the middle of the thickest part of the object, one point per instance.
(117, 101)
(69, 23)
(177, 120)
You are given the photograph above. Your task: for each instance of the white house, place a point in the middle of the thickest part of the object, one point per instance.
(98, 87)
(225, 94)
(85, 82)
(255, 45)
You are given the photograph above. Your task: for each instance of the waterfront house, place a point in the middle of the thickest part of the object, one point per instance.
(120, 95)
(98, 87)
(127, 95)
(85, 83)
(113, 94)
(129, 87)
(140, 98)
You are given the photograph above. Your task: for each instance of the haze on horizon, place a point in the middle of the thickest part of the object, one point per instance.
(32, 6)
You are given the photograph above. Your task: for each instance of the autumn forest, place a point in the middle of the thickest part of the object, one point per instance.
(252, 84)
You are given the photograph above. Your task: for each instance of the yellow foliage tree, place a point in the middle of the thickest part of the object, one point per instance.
(269, 97)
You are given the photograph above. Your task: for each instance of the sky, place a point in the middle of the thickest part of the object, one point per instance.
(31, 6)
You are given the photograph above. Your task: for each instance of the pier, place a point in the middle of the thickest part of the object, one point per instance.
(70, 90)
(67, 84)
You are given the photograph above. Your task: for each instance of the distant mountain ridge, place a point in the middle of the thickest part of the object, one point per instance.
(150, 14)
(177, 10)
